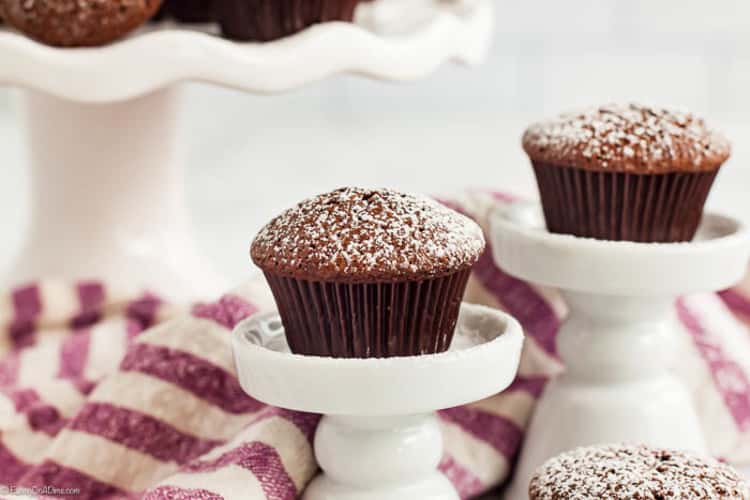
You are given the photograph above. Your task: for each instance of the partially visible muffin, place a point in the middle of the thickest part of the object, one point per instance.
(265, 20)
(74, 23)
(635, 472)
(362, 273)
(625, 172)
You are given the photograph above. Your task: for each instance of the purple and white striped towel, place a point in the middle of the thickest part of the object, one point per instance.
(117, 397)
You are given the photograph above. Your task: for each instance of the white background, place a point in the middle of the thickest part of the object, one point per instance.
(251, 156)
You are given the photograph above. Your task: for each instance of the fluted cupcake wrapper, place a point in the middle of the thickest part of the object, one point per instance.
(623, 206)
(377, 320)
(264, 20)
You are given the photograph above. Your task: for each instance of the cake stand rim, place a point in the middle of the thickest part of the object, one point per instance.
(721, 261)
(152, 60)
(269, 375)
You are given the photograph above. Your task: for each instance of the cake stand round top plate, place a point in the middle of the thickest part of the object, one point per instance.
(482, 361)
(158, 56)
(714, 260)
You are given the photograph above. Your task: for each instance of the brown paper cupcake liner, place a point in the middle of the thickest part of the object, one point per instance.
(264, 20)
(377, 320)
(623, 206)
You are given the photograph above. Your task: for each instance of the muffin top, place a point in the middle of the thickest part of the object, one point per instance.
(615, 472)
(627, 138)
(367, 235)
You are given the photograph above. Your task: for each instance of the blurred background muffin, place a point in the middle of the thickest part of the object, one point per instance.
(71, 23)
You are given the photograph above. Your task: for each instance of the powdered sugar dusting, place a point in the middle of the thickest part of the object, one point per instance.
(627, 138)
(358, 234)
(620, 472)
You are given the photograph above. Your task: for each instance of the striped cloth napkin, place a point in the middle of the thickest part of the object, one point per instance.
(103, 395)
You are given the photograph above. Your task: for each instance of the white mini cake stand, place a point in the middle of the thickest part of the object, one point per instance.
(379, 438)
(107, 195)
(616, 342)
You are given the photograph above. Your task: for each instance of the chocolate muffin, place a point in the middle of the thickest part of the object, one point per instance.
(265, 20)
(625, 472)
(625, 172)
(361, 273)
(72, 23)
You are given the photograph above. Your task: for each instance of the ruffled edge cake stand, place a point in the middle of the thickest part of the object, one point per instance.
(379, 438)
(107, 194)
(618, 338)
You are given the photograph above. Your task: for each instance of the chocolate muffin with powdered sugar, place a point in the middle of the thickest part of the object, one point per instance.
(368, 272)
(635, 472)
(625, 172)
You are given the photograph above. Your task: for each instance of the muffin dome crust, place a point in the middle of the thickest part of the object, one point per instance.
(627, 138)
(368, 235)
(635, 472)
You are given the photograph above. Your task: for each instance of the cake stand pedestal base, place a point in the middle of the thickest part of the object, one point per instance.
(107, 197)
(619, 336)
(393, 457)
(380, 438)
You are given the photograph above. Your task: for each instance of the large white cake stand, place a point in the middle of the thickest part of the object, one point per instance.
(617, 341)
(379, 438)
(107, 195)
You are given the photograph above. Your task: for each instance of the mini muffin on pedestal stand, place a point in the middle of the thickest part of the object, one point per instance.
(368, 285)
(625, 172)
(623, 190)
(368, 273)
(374, 277)
(626, 472)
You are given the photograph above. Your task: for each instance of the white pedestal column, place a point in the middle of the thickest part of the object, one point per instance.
(107, 197)
(379, 438)
(617, 386)
(617, 342)
(380, 458)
